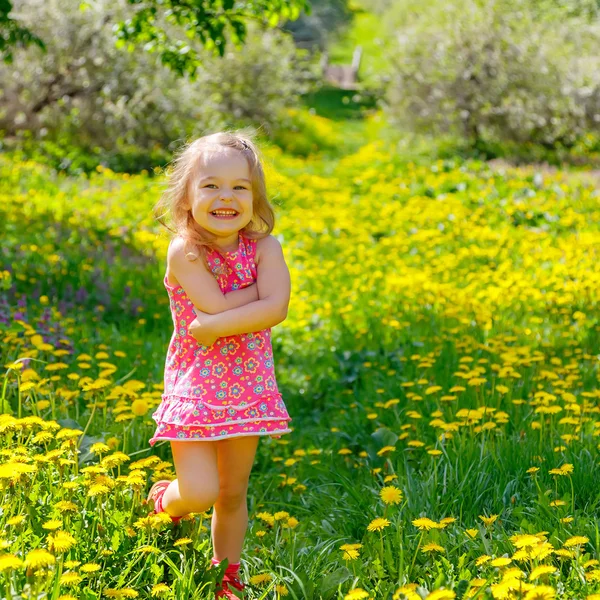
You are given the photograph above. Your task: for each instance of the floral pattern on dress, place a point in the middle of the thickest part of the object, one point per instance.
(225, 390)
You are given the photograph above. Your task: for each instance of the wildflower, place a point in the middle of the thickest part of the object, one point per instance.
(386, 449)
(488, 520)
(99, 447)
(260, 578)
(541, 570)
(472, 533)
(482, 560)
(520, 541)
(350, 554)
(441, 594)
(391, 494)
(160, 588)
(99, 384)
(502, 561)
(39, 558)
(70, 578)
(16, 520)
(356, 594)
(139, 407)
(576, 541)
(90, 567)
(565, 469)
(282, 590)
(541, 592)
(432, 548)
(61, 542)
(377, 524)
(424, 523)
(9, 562)
(52, 524)
(182, 541)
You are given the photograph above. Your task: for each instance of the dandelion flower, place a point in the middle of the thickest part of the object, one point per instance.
(441, 594)
(541, 592)
(564, 470)
(356, 594)
(576, 541)
(424, 523)
(160, 588)
(501, 561)
(260, 578)
(432, 548)
(61, 542)
(70, 578)
(377, 524)
(39, 558)
(391, 494)
(541, 570)
(9, 562)
(488, 520)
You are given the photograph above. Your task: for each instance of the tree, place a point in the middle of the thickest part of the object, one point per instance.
(154, 23)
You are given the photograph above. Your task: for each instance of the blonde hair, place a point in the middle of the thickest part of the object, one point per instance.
(171, 202)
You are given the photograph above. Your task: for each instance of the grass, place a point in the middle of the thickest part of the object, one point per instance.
(439, 360)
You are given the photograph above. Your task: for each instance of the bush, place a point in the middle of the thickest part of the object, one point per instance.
(509, 70)
(86, 93)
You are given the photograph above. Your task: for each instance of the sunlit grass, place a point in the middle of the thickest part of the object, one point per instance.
(440, 360)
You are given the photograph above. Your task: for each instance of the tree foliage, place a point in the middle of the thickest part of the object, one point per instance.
(167, 27)
(513, 70)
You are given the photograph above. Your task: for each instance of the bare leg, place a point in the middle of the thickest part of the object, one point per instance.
(230, 512)
(197, 485)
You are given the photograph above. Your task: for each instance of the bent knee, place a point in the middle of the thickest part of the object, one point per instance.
(198, 497)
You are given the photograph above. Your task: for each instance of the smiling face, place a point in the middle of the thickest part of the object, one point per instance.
(221, 182)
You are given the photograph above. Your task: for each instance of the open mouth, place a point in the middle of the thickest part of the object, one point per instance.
(224, 214)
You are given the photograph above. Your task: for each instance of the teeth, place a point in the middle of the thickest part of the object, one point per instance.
(220, 212)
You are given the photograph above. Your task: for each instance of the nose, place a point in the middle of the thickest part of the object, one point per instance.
(226, 194)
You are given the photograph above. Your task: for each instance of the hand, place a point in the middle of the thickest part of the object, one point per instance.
(201, 328)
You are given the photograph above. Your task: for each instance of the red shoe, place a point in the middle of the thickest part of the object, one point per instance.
(223, 590)
(156, 493)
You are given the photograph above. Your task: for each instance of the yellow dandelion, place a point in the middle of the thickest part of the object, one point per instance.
(523, 540)
(182, 541)
(391, 494)
(260, 578)
(472, 533)
(61, 542)
(52, 524)
(576, 540)
(432, 548)
(160, 588)
(9, 562)
(482, 560)
(39, 558)
(501, 561)
(564, 470)
(488, 520)
(356, 594)
(540, 592)
(350, 554)
(441, 594)
(424, 523)
(378, 524)
(70, 578)
(282, 590)
(90, 568)
(540, 571)
(16, 520)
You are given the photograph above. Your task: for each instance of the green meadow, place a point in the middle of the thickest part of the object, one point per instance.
(439, 359)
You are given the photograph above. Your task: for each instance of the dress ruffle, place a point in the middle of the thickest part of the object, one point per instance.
(186, 412)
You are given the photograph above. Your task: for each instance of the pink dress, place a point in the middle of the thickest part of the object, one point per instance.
(225, 390)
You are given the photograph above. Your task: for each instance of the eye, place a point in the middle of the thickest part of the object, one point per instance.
(241, 186)
(209, 184)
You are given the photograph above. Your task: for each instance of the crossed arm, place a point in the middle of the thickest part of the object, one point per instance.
(255, 307)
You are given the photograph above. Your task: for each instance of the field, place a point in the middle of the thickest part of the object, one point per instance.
(440, 360)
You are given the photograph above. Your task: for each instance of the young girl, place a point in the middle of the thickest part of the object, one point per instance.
(228, 284)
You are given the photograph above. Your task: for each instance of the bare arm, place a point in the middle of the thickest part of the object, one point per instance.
(274, 287)
(201, 286)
